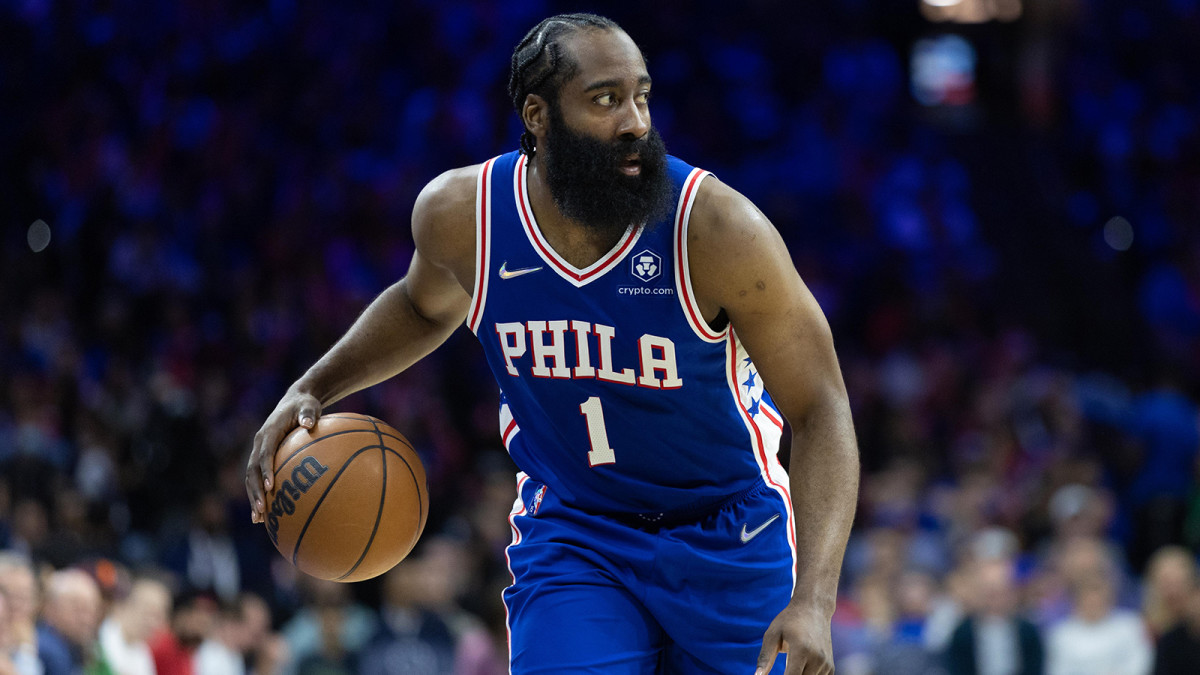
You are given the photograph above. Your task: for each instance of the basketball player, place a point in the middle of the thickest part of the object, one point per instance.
(636, 312)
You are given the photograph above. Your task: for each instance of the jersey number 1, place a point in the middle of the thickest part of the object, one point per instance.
(601, 452)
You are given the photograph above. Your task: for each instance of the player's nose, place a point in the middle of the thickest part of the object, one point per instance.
(635, 120)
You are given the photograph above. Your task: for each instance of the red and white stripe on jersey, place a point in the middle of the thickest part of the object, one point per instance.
(577, 277)
(683, 274)
(508, 425)
(772, 416)
(764, 434)
(483, 240)
(518, 509)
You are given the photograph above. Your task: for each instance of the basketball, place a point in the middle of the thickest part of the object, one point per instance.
(348, 498)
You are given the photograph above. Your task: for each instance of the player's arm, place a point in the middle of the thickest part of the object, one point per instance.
(400, 326)
(742, 268)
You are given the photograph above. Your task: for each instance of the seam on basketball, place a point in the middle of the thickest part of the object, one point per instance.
(312, 514)
(304, 447)
(379, 512)
(382, 497)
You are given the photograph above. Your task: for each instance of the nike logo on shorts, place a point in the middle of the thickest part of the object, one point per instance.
(747, 536)
(505, 273)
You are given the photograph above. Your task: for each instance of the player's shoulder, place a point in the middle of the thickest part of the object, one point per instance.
(443, 219)
(730, 242)
(735, 253)
(722, 218)
(450, 193)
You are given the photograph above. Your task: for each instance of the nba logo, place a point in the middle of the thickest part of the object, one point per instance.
(646, 265)
(537, 501)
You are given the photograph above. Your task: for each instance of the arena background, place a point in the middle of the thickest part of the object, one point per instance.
(995, 201)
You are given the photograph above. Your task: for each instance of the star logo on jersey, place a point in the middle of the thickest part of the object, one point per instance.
(749, 384)
(646, 265)
(506, 273)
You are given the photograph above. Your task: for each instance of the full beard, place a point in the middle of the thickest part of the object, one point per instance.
(585, 180)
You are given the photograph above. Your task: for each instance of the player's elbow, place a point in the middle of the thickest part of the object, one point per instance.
(825, 408)
(436, 312)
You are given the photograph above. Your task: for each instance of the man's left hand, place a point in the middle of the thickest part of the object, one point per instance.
(803, 632)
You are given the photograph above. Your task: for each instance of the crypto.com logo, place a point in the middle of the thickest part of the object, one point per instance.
(646, 265)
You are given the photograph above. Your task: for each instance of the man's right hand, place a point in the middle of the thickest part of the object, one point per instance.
(295, 409)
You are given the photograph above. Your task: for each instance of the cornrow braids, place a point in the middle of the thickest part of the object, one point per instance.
(539, 65)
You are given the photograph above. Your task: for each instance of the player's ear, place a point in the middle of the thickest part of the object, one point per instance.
(535, 114)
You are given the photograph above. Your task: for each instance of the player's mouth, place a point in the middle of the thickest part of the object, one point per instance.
(631, 165)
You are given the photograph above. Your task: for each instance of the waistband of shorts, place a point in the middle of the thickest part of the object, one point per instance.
(689, 514)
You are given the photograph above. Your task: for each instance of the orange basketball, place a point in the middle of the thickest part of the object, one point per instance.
(348, 499)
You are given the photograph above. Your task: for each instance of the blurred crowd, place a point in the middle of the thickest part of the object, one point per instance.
(227, 184)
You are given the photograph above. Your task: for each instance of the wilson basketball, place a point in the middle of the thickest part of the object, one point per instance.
(348, 498)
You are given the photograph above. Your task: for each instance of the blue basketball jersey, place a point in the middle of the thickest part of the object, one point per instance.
(615, 393)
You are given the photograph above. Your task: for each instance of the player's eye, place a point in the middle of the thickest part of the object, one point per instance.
(605, 99)
(643, 97)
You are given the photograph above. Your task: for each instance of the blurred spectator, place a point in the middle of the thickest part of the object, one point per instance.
(1098, 638)
(446, 565)
(206, 558)
(855, 623)
(1171, 577)
(330, 656)
(269, 657)
(413, 639)
(948, 609)
(329, 632)
(223, 651)
(242, 627)
(1178, 650)
(994, 639)
(134, 619)
(902, 531)
(193, 617)
(1065, 564)
(265, 650)
(905, 651)
(66, 635)
(19, 587)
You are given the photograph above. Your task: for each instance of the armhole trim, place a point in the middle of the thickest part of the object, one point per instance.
(483, 240)
(683, 274)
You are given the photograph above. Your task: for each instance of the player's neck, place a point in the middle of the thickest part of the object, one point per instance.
(575, 242)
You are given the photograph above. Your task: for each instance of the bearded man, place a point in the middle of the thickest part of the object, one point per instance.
(650, 335)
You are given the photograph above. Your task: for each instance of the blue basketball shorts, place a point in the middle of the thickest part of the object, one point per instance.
(598, 594)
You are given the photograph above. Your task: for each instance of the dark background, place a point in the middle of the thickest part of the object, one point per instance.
(1012, 274)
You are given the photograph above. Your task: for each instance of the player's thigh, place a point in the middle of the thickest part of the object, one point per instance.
(731, 577)
(570, 609)
(580, 624)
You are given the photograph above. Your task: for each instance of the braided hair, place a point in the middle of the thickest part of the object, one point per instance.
(539, 65)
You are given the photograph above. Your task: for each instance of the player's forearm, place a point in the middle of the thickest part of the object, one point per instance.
(824, 482)
(389, 336)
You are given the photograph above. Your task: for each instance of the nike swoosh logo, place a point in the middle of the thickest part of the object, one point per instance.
(505, 273)
(747, 536)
